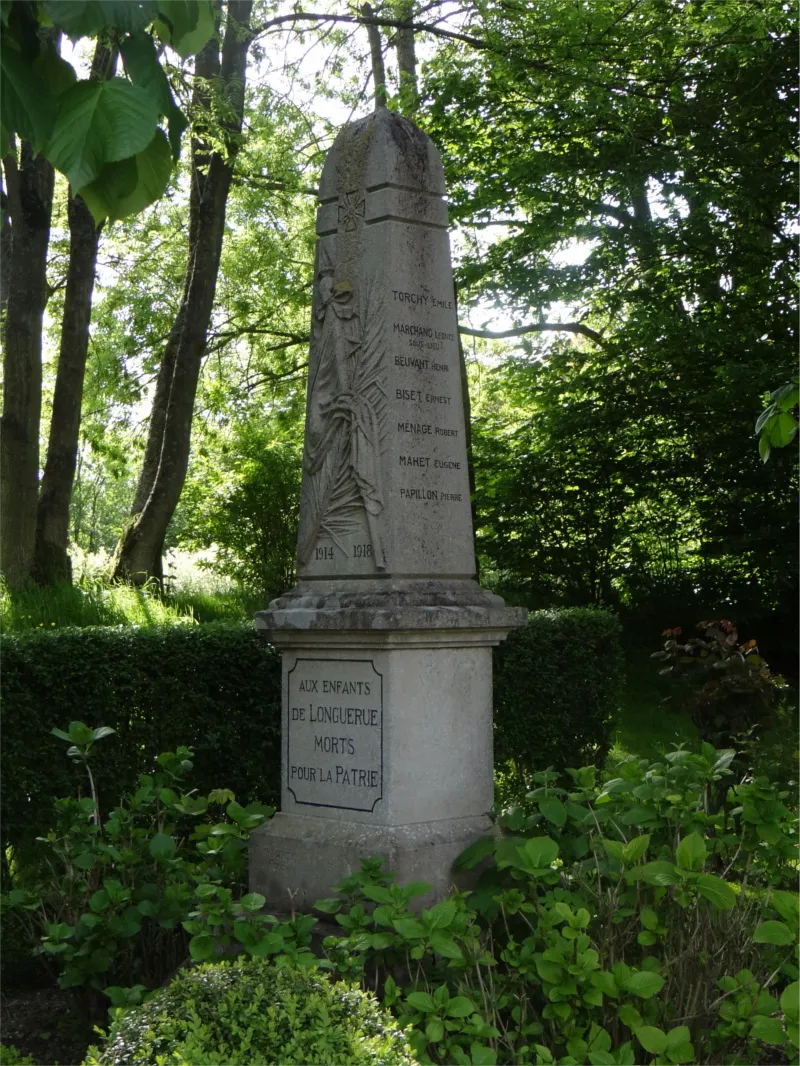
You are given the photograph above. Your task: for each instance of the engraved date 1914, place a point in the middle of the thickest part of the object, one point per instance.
(360, 551)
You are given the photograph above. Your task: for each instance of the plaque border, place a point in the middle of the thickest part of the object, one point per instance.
(310, 803)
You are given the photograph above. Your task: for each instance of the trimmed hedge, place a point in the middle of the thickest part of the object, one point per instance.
(557, 686)
(255, 1012)
(216, 688)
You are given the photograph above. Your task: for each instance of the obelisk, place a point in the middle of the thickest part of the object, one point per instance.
(386, 639)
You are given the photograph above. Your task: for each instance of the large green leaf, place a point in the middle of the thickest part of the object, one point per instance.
(716, 891)
(644, 984)
(773, 933)
(652, 1038)
(691, 852)
(143, 68)
(99, 123)
(88, 18)
(190, 24)
(26, 106)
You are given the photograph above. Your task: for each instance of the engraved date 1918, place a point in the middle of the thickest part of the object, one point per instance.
(362, 551)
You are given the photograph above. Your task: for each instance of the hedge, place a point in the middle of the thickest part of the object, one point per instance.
(216, 687)
(557, 686)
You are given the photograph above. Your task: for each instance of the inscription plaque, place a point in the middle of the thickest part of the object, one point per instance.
(334, 735)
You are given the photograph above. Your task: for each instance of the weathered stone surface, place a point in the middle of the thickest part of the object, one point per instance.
(386, 639)
(385, 480)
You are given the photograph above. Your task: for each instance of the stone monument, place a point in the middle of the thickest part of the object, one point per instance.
(386, 639)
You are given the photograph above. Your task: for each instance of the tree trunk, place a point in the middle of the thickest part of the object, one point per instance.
(139, 552)
(52, 562)
(376, 53)
(29, 185)
(406, 59)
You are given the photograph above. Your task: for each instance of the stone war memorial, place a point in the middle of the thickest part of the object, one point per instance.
(386, 639)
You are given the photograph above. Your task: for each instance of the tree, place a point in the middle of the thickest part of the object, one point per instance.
(660, 136)
(51, 557)
(219, 87)
(29, 189)
(103, 133)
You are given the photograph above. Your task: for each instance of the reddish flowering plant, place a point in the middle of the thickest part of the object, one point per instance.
(727, 687)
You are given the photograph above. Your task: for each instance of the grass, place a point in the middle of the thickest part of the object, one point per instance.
(192, 596)
(649, 723)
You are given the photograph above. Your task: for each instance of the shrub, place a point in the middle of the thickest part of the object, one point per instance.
(617, 920)
(252, 1011)
(215, 688)
(727, 687)
(10, 1056)
(557, 685)
(115, 892)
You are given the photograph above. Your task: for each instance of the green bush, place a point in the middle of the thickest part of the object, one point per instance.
(253, 1012)
(116, 891)
(215, 688)
(10, 1056)
(618, 920)
(557, 685)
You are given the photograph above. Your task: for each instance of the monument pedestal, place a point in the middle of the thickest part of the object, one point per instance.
(387, 732)
(386, 640)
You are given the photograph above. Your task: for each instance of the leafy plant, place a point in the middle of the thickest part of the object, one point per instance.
(117, 892)
(777, 425)
(102, 134)
(618, 919)
(256, 1012)
(730, 691)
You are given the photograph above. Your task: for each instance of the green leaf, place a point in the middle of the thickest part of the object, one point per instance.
(716, 891)
(605, 982)
(201, 947)
(677, 1036)
(691, 852)
(790, 1001)
(377, 893)
(475, 853)
(787, 904)
(767, 1030)
(56, 73)
(648, 918)
(602, 1058)
(127, 187)
(422, 1001)
(80, 734)
(656, 873)
(254, 901)
(99, 123)
(269, 944)
(102, 731)
(540, 851)
(773, 933)
(191, 24)
(88, 18)
(460, 1007)
(443, 944)
(442, 914)
(644, 984)
(780, 429)
(652, 1039)
(27, 107)
(635, 849)
(482, 1055)
(434, 1030)
(409, 928)
(162, 846)
(553, 810)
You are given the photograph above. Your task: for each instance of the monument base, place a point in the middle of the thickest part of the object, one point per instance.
(296, 860)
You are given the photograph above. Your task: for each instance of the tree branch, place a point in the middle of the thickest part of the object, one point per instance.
(534, 327)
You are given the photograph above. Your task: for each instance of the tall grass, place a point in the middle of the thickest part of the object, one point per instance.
(191, 596)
